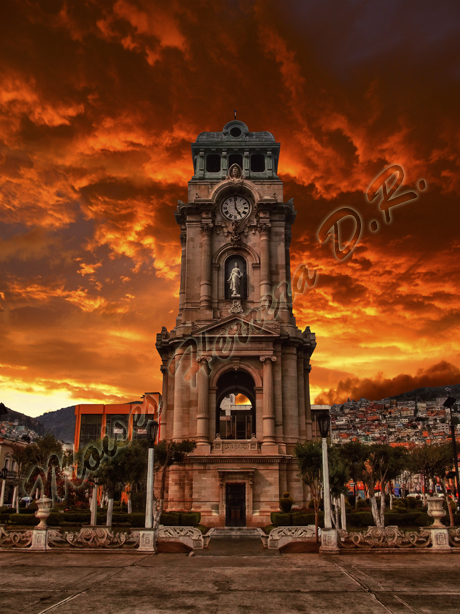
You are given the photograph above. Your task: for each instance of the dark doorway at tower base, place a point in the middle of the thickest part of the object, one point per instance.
(235, 498)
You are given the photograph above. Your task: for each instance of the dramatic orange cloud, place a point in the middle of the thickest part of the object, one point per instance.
(99, 102)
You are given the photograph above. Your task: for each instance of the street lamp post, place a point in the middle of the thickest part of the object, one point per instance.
(94, 503)
(323, 423)
(152, 431)
(329, 536)
(450, 403)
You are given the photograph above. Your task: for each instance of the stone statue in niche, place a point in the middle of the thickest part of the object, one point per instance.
(234, 281)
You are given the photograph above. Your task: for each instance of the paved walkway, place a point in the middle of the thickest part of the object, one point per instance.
(254, 582)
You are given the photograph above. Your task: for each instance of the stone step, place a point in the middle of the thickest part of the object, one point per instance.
(236, 532)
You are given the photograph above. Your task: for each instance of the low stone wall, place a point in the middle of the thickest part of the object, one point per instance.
(90, 538)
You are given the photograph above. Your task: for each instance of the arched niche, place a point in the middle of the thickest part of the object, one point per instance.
(235, 421)
(221, 256)
(230, 263)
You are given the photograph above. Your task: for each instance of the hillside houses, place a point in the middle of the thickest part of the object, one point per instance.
(390, 421)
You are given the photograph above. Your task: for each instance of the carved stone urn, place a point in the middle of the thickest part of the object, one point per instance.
(436, 510)
(44, 509)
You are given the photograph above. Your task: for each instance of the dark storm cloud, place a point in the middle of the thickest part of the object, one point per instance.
(98, 105)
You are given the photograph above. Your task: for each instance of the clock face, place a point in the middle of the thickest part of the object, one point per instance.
(235, 208)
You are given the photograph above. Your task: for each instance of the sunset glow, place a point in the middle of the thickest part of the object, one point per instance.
(99, 102)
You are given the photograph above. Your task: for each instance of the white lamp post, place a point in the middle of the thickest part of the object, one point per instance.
(328, 535)
(152, 431)
(323, 423)
(94, 503)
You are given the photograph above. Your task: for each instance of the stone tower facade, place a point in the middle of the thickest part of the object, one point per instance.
(235, 367)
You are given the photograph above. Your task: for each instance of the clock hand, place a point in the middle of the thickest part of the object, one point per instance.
(236, 206)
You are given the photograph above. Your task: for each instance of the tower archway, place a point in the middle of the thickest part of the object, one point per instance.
(236, 405)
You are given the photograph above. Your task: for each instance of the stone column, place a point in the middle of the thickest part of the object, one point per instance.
(290, 397)
(301, 394)
(287, 245)
(183, 270)
(202, 424)
(259, 428)
(268, 429)
(308, 422)
(205, 285)
(265, 277)
(179, 385)
(278, 400)
(164, 401)
(213, 427)
(2, 494)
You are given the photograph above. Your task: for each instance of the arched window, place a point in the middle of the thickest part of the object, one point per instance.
(212, 163)
(257, 163)
(236, 409)
(229, 266)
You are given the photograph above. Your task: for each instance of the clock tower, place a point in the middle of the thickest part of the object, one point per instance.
(235, 367)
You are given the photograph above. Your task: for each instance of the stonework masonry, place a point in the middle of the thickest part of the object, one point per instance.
(238, 338)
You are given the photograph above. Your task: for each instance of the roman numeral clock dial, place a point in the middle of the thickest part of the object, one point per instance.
(235, 208)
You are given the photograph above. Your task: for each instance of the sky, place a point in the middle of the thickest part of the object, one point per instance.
(99, 102)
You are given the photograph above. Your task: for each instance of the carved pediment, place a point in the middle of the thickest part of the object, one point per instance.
(241, 327)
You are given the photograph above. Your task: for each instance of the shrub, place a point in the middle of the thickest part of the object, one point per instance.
(190, 519)
(138, 501)
(280, 519)
(29, 510)
(360, 519)
(137, 519)
(27, 520)
(362, 503)
(77, 517)
(302, 520)
(170, 519)
(286, 502)
(54, 519)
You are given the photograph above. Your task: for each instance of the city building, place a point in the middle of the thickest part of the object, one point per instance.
(117, 421)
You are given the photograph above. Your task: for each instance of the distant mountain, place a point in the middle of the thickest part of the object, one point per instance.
(9, 415)
(61, 423)
(429, 394)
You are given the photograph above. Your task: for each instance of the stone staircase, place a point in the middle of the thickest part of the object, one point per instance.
(235, 532)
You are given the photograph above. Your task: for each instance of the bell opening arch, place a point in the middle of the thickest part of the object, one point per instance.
(235, 405)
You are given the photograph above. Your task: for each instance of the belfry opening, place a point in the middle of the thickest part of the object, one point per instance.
(236, 384)
(235, 410)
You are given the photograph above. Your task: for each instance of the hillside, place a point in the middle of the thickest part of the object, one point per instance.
(9, 415)
(61, 423)
(428, 394)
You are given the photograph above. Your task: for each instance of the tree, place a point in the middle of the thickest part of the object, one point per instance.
(382, 464)
(433, 461)
(167, 453)
(339, 475)
(44, 463)
(123, 464)
(20, 456)
(353, 455)
(309, 457)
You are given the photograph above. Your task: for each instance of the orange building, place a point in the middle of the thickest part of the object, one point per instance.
(118, 421)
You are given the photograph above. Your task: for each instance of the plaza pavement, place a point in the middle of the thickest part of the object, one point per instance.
(230, 577)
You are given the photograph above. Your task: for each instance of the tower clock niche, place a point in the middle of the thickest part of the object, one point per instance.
(235, 369)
